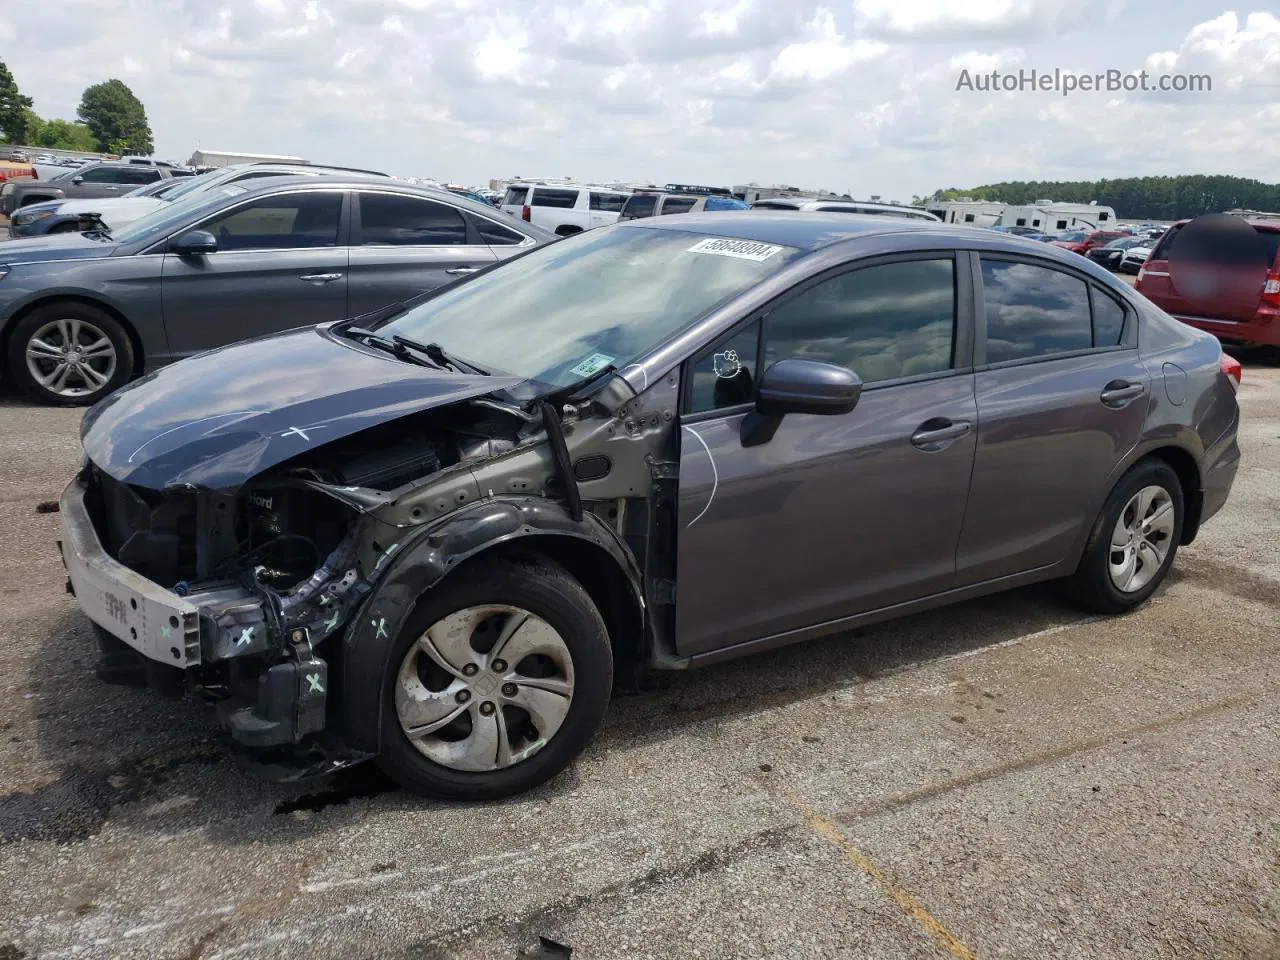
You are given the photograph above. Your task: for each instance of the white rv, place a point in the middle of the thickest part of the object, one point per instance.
(1050, 217)
(975, 213)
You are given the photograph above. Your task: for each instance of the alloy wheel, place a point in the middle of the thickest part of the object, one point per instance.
(1141, 539)
(71, 357)
(484, 688)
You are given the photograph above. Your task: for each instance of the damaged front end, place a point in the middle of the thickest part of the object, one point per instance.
(276, 599)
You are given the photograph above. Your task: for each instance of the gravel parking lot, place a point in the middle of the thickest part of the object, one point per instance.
(1002, 779)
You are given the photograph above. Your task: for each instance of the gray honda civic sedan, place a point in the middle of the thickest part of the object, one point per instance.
(81, 314)
(432, 535)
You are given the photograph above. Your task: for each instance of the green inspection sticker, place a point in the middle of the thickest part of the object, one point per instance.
(592, 365)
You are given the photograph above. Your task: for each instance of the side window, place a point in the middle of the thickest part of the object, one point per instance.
(280, 223)
(565, 199)
(1035, 223)
(882, 322)
(390, 220)
(968, 218)
(1103, 216)
(138, 175)
(724, 376)
(1062, 225)
(1108, 320)
(99, 175)
(677, 205)
(641, 205)
(495, 234)
(515, 196)
(1022, 222)
(612, 202)
(1033, 311)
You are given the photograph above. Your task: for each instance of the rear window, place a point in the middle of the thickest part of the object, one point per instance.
(515, 196)
(640, 205)
(1270, 244)
(677, 205)
(612, 202)
(724, 203)
(496, 234)
(564, 199)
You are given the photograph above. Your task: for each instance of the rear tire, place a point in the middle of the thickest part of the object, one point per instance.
(43, 355)
(492, 747)
(1133, 541)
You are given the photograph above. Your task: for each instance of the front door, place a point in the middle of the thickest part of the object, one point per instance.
(279, 264)
(831, 515)
(404, 245)
(1061, 401)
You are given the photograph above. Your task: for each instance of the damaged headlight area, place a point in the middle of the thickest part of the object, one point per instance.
(275, 571)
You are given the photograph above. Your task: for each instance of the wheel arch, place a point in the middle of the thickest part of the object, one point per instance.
(1185, 466)
(502, 527)
(567, 229)
(6, 336)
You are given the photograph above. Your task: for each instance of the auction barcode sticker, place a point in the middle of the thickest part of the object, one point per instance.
(742, 249)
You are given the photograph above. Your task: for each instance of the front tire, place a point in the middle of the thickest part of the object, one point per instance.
(1133, 542)
(497, 682)
(70, 353)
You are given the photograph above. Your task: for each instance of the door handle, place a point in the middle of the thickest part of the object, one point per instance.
(934, 434)
(321, 277)
(1118, 393)
(455, 271)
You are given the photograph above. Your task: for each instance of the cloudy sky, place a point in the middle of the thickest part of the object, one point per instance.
(855, 95)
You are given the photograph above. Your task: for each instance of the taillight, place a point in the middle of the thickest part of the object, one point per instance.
(525, 214)
(1230, 367)
(1271, 288)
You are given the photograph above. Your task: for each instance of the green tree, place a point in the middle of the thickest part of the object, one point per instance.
(1137, 198)
(13, 108)
(116, 118)
(59, 134)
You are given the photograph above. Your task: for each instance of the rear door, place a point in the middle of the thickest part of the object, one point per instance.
(1062, 397)
(281, 262)
(403, 245)
(605, 207)
(515, 199)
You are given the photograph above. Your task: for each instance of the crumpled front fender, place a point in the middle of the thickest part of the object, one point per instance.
(421, 564)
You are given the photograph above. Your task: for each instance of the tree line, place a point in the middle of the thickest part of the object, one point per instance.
(110, 119)
(1134, 198)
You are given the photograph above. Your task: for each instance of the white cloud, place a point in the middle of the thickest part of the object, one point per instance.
(823, 93)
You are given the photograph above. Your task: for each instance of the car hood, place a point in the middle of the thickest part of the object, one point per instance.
(41, 207)
(218, 419)
(113, 212)
(61, 246)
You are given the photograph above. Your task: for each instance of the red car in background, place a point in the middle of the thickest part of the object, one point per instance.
(1235, 296)
(1082, 241)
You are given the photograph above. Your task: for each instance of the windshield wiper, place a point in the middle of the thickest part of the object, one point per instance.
(437, 355)
(382, 343)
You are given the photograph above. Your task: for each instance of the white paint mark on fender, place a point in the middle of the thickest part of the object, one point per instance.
(715, 477)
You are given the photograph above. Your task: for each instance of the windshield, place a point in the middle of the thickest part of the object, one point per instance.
(172, 215)
(194, 185)
(573, 307)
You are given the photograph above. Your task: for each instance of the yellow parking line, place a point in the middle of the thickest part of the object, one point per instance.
(912, 907)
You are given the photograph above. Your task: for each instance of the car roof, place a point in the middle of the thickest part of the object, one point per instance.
(355, 181)
(1269, 224)
(809, 230)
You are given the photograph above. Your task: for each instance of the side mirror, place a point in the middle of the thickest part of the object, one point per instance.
(807, 386)
(195, 244)
(77, 180)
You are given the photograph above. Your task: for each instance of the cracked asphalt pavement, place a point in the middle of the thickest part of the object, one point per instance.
(1005, 778)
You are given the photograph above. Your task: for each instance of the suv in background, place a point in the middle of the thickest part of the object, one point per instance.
(844, 206)
(91, 181)
(1249, 314)
(658, 203)
(564, 208)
